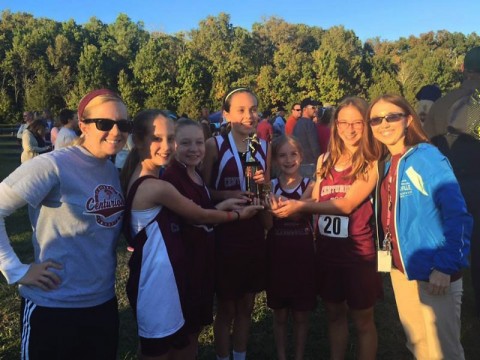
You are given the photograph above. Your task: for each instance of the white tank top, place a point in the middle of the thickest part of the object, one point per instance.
(141, 218)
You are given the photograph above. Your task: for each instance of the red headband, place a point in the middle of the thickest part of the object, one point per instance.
(91, 95)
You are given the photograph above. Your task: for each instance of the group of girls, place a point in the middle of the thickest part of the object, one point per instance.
(76, 205)
(422, 229)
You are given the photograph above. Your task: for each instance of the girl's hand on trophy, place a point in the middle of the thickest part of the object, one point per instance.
(259, 177)
(272, 201)
(231, 204)
(286, 207)
(239, 194)
(257, 201)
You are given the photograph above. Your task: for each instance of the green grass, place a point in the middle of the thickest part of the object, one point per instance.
(261, 344)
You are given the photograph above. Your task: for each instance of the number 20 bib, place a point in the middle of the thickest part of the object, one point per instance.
(333, 225)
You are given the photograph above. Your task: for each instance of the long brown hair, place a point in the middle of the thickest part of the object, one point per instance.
(142, 127)
(336, 147)
(374, 149)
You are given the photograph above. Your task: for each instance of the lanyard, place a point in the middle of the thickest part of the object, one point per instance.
(387, 242)
(238, 162)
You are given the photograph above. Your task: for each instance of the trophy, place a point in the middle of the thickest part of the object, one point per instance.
(251, 166)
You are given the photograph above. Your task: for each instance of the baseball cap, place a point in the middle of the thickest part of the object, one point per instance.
(429, 92)
(308, 101)
(472, 60)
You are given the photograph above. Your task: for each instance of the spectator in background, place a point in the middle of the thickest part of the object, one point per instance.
(426, 96)
(292, 119)
(306, 133)
(54, 132)
(27, 120)
(67, 133)
(264, 128)
(323, 127)
(205, 122)
(279, 122)
(33, 141)
(449, 125)
(49, 122)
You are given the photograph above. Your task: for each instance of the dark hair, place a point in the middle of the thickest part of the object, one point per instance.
(227, 101)
(142, 127)
(374, 149)
(36, 125)
(327, 115)
(65, 115)
(295, 104)
(267, 113)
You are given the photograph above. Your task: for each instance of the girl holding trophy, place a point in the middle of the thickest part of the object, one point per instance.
(234, 166)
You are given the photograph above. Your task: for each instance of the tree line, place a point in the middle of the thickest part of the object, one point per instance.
(50, 64)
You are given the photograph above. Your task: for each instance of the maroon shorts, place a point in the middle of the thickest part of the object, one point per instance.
(360, 285)
(296, 303)
(160, 346)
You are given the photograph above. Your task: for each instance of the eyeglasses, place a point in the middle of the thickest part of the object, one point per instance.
(297, 109)
(107, 124)
(346, 124)
(393, 117)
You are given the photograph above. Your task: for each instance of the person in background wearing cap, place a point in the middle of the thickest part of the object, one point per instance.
(437, 123)
(292, 119)
(279, 122)
(69, 309)
(306, 133)
(426, 96)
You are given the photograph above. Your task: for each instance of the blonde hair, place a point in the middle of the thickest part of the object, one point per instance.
(97, 100)
(336, 147)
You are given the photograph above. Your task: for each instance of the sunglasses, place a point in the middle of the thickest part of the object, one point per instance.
(297, 109)
(107, 124)
(393, 117)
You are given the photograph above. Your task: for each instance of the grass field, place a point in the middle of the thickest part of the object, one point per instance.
(261, 345)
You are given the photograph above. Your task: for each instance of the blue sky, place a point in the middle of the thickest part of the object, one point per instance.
(367, 18)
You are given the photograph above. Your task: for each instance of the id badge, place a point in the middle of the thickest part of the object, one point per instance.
(384, 261)
(333, 226)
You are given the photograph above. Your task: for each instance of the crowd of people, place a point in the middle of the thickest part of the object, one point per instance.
(342, 194)
(38, 133)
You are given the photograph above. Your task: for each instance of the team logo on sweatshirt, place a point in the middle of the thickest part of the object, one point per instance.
(107, 204)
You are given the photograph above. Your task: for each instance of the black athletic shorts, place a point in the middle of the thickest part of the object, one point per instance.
(69, 333)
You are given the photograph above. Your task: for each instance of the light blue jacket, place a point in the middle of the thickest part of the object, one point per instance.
(432, 225)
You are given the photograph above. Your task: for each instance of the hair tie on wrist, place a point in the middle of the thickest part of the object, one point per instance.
(238, 214)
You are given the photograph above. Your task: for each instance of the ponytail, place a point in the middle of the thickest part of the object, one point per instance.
(131, 162)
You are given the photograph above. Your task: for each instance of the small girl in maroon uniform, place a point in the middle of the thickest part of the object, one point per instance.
(291, 253)
(346, 260)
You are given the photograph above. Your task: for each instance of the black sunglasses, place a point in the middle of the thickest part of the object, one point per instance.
(107, 124)
(393, 117)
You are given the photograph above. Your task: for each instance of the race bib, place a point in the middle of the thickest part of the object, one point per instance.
(333, 225)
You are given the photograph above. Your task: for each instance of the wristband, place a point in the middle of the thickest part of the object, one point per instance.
(238, 214)
(229, 215)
